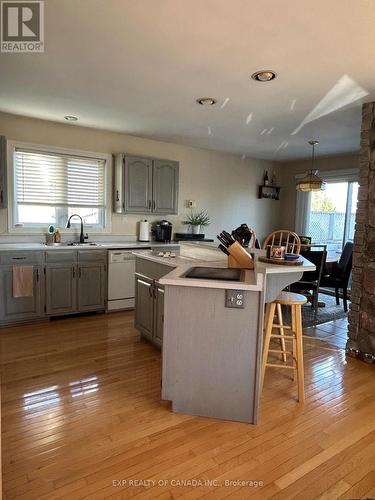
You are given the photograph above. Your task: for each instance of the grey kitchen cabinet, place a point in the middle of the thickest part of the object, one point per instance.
(20, 308)
(144, 305)
(61, 289)
(138, 185)
(91, 287)
(64, 282)
(149, 299)
(145, 185)
(3, 172)
(165, 187)
(75, 281)
(158, 313)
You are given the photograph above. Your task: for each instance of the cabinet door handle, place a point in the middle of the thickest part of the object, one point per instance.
(37, 274)
(150, 291)
(117, 196)
(154, 204)
(79, 272)
(74, 272)
(1, 197)
(18, 258)
(149, 204)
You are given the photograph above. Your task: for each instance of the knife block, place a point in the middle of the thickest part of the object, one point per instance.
(239, 258)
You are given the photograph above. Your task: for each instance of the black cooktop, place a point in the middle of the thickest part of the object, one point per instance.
(214, 273)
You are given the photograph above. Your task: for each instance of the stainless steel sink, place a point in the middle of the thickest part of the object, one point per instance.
(78, 244)
(73, 244)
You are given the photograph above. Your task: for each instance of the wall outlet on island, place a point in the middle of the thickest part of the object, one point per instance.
(234, 298)
(191, 204)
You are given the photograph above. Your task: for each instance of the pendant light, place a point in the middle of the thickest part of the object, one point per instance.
(311, 181)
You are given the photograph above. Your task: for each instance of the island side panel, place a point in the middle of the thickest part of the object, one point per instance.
(211, 353)
(276, 282)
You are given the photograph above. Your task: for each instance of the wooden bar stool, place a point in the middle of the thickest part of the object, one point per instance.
(295, 301)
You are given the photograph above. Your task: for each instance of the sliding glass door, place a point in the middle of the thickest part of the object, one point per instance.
(331, 214)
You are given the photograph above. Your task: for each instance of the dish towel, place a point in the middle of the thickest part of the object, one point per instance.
(23, 281)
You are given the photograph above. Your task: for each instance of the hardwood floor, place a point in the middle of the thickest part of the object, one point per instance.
(81, 412)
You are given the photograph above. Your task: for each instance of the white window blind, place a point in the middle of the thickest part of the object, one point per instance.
(59, 180)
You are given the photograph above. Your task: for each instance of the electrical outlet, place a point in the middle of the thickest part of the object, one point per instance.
(235, 299)
(191, 204)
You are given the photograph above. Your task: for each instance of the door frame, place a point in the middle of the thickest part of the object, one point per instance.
(303, 200)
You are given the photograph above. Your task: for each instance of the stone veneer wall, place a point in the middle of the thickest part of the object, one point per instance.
(362, 309)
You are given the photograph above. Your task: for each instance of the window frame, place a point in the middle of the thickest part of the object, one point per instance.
(40, 228)
(303, 199)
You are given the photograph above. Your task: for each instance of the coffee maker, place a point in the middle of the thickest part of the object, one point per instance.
(163, 231)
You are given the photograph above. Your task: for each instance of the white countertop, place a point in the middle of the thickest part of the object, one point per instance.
(98, 246)
(177, 261)
(194, 255)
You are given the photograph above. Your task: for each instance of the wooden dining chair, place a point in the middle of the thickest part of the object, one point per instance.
(284, 237)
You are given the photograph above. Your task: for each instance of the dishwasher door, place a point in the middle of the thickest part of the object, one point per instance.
(121, 281)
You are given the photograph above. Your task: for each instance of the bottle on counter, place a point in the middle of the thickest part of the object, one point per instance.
(57, 235)
(266, 179)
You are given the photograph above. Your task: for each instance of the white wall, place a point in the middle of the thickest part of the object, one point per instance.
(224, 185)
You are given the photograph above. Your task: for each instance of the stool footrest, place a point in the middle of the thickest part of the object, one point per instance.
(278, 351)
(285, 327)
(286, 337)
(276, 365)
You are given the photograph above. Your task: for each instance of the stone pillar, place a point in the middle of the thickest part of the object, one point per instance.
(362, 308)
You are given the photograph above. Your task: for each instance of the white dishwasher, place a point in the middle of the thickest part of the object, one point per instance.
(121, 284)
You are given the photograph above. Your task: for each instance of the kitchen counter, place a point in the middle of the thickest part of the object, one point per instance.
(106, 246)
(193, 255)
(212, 345)
(167, 261)
(275, 276)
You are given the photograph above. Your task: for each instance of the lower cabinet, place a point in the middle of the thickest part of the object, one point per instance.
(149, 308)
(91, 287)
(144, 306)
(61, 289)
(158, 313)
(20, 308)
(64, 282)
(75, 282)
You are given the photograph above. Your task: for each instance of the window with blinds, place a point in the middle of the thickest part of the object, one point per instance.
(50, 186)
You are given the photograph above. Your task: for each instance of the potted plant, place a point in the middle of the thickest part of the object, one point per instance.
(196, 220)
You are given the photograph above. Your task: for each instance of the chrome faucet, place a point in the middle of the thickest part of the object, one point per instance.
(81, 236)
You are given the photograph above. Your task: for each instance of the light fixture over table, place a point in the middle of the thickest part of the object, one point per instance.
(311, 181)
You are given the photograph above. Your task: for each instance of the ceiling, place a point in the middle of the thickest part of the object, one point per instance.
(137, 66)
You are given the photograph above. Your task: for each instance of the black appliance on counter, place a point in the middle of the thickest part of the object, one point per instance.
(243, 235)
(163, 231)
(190, 237)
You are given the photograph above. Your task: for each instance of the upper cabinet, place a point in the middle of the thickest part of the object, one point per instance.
(3, 172)
(165, 187)
(138, 185)
(145, 185)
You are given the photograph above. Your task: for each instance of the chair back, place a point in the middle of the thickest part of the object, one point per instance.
(344, 266)
(318, 258)
(305, 241)
(284, 237)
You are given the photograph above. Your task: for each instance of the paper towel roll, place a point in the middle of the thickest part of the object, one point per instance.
(144, 230)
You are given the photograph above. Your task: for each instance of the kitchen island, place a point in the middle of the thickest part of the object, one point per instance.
(212, 333)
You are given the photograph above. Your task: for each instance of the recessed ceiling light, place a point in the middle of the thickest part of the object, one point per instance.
(206, 101)
(265, 75)
(71, 118)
